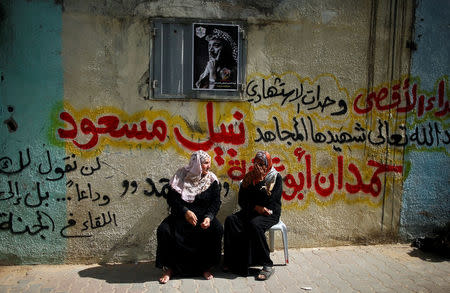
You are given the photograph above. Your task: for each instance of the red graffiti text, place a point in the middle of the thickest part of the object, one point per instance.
(238, 168)
(325, 185)
(109, 125)
(383, 101)
(224, 136)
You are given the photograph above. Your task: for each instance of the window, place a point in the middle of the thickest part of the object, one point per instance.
(196, 60)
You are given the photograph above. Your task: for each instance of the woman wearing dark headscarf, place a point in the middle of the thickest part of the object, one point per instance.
(190, 238)
(245, 242)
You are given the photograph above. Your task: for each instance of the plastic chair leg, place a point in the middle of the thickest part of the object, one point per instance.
(285, 245)
(271, 240)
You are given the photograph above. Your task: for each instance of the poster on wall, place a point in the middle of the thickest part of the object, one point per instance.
(215, 57)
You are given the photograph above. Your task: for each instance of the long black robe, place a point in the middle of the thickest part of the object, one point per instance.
(186, 249)
(245, 243)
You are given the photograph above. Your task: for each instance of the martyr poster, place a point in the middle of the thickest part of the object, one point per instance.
(215, 56)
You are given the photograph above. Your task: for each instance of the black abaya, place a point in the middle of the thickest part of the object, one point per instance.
(184, 248)
(245, 242)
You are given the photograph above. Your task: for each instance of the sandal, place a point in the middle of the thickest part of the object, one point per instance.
(265, 273)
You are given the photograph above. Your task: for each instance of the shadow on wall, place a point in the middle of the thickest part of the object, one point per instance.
(131, 247)
(9, 259)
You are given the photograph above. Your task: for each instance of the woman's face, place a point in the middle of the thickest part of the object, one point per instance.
(206, 165)
(260, 167)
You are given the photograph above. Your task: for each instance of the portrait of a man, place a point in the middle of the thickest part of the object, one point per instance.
(215, 56)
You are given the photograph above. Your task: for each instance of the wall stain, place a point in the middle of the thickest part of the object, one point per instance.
(11, 124)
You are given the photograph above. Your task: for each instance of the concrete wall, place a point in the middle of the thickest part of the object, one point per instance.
(426, 196)
(339, 142)
(31, 95)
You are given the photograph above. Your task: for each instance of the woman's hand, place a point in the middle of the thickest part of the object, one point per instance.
(263, 210)
(206, 223)
(191, 218)
(260, 171)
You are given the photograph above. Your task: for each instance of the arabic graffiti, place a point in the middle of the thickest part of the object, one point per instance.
(302, 95)
(8, 167)
(164, 189)
(91, 223)
(126, 184)
(109, 125)
(238, 168)
(281, 113)
(28, 199)
(298, 129)
(305, 130)
(32, 212)
(15, 224)
(6, 164)
(326, 185)
(224, 136)
(399, 97)
(87, 194)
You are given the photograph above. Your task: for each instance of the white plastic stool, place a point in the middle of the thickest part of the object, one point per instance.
(281, 227)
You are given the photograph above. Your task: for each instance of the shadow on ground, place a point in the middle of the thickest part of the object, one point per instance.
(123, 273)
(141, 273)
(434, 247)
(428, 255)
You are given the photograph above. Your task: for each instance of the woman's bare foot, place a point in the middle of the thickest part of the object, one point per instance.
(207, 275)
(167, 274)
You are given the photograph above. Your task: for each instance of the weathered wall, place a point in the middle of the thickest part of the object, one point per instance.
(326, 95)
(31, 87)
(426, 195)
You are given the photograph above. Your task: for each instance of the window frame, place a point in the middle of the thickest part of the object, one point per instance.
(185, 92)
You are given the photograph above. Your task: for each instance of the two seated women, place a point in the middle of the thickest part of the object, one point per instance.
(190, 238)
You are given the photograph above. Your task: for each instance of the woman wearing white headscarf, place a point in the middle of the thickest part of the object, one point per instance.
(190, 238)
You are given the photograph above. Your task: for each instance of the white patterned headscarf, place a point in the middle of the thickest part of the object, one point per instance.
(221, 35)
(188, 180)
